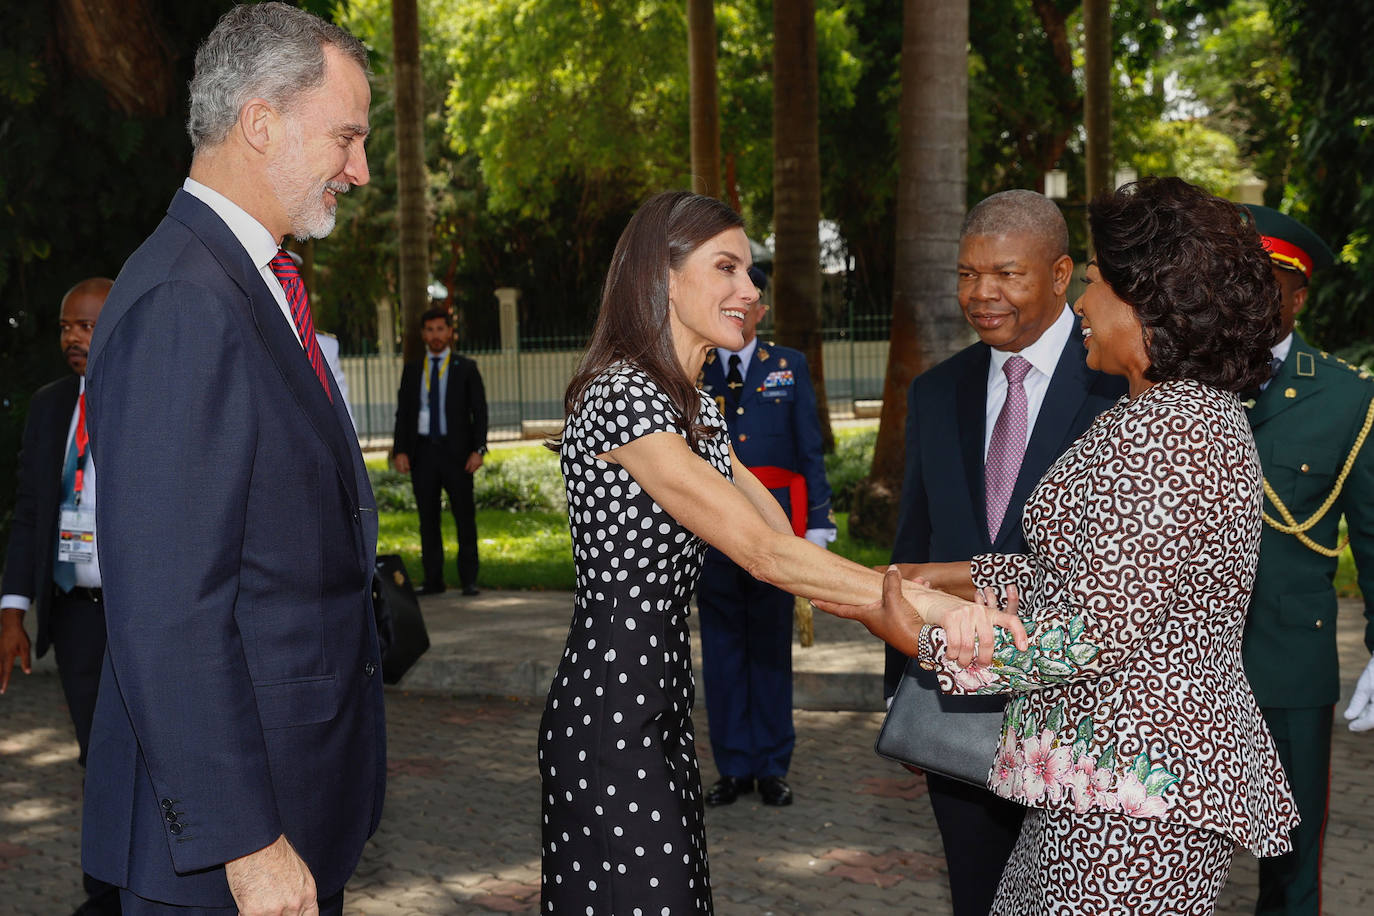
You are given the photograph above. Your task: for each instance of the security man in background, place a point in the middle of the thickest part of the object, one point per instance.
(765, 393)
(441, 436)
(51, 565)
(1311, 423)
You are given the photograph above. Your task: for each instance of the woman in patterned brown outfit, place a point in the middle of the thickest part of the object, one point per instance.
(1132, 733)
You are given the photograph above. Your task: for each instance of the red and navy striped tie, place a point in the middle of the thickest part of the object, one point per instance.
(290, 276)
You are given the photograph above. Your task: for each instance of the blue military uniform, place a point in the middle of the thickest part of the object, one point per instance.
(746, 625)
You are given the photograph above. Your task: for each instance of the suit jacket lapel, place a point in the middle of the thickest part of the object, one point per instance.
(763, 362)
(1064, 397)
(970, 415)
(1297, 374)
(281, 341)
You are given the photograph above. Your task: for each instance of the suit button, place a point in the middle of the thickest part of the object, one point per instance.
(166, 804)
(1317, 625)
(1306, 467)
(369, 669)
(175, 828)
(171, 817)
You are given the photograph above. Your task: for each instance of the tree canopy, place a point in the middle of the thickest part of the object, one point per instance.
(547, 121)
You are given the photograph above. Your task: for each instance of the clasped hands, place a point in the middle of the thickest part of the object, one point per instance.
(907, 605)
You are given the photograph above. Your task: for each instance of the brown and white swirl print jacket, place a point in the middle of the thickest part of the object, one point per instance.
(1143, 539)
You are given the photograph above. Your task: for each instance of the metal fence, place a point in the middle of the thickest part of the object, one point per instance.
(525, 385)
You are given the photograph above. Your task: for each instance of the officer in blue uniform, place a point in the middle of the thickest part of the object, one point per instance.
(765, 393)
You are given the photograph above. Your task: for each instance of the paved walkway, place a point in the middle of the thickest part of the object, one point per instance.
(460, 831)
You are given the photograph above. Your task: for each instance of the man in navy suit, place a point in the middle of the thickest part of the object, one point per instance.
(765, 393)
(64, 593)
(1014, 272)
(441, 436)
(237, 759)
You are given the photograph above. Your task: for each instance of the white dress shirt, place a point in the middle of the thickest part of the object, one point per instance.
(422, 428)
(1043, 355)
(260, 244)
(745, 354)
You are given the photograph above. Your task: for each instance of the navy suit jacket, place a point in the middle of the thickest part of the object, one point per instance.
(38, 498)
(944, 515)
(779, 426)
(465, 409)
(241, 697)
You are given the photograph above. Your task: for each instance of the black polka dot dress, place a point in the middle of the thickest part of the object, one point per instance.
(623, 831)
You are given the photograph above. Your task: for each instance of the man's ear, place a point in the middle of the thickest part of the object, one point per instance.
(1299, 299)
(259, 123)
(1062, 271)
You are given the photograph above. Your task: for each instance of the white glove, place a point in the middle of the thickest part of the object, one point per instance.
(1360, 711)
(821, 537)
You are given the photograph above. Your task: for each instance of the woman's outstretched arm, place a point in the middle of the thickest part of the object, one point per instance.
(735, 519)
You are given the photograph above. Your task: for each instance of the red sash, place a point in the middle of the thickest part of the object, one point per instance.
(781, 478)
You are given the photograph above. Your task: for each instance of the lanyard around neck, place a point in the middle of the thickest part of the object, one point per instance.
(443, 367)
(82, 442)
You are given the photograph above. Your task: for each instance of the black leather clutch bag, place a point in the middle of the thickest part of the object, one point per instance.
(954, 736)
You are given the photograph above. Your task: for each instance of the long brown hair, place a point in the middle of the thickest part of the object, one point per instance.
(632, 325)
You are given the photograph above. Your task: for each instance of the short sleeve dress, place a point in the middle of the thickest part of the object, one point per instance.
(623, 829)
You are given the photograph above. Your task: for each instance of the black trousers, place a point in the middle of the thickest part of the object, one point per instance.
(979, 830)
(77, 627)
(76, 624)
(1291, 884)
(433, 472)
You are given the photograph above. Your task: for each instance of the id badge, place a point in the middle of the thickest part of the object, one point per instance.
(76, 537)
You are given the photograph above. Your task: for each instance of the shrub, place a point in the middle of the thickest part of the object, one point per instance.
(392, 490)
(849, 463)
(521, 480)
(516, 480)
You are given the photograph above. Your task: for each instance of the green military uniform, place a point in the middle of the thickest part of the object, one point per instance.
(1311, 423)
(1308, 423)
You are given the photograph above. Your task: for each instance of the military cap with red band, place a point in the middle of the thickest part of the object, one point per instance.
(1291, 245)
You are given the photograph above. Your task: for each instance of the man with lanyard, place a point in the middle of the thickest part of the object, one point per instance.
(51, 565)
(1310, 423)
(769, 405)
(441, 436)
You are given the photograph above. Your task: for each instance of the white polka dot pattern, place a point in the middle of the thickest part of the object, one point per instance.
(623, 828)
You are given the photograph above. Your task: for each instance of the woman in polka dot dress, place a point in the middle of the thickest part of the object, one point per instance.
(651, 478)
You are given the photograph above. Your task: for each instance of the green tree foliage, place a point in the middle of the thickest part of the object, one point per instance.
(544, 90)
(1333, 178)
(1238, 75)
(1024, 102)
(549, 121)
(81, 185)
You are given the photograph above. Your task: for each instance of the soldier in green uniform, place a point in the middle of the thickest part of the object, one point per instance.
(1311, 423)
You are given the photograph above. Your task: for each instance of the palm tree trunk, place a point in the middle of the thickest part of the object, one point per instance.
(1097, 96)
(411, 210)
(927, 325)
(797, 191)
(705, 98)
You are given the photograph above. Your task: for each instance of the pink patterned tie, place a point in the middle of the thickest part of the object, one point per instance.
(291, 283)
(1008, 445)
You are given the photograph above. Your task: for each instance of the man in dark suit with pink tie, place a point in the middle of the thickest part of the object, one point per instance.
(982, 428)
(237, 759)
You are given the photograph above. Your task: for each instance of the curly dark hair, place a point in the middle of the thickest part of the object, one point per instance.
(1197, 277)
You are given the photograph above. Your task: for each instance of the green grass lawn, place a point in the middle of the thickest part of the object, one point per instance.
(533, 549)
